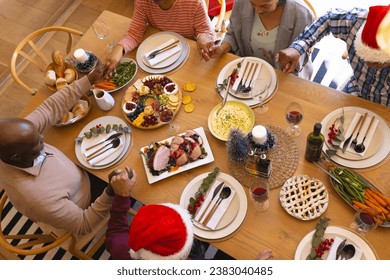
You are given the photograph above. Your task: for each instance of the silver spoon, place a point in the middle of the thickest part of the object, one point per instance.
(112, 145)
(348, 252)
(360, 148)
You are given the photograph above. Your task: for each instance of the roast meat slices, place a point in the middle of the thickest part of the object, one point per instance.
(160, 158)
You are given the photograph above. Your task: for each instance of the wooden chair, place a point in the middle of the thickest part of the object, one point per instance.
(221, 14)
(307, 2)
(28, 244)
(31, 49)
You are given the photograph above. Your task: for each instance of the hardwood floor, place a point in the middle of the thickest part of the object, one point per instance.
(21, 17)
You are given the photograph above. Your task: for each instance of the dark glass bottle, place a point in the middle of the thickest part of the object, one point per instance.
(315, 141)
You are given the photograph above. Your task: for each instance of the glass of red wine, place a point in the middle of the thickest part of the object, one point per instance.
(259, 193)
(365, 220)
(166, 115)
(294, 116)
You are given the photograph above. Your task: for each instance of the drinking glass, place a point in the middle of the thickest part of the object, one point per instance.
(294, 115)
(102, 32)
(365, 220)
(258, 91)
(259, 193)
(166, 116)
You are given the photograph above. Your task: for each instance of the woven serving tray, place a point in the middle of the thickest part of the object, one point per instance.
(284, 157)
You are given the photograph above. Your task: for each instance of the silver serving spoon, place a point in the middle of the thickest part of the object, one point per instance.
(360, 148)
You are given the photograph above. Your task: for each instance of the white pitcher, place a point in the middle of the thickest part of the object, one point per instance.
(103, 99)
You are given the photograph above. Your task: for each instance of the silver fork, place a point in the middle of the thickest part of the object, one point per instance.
(248, 88)
(168, 47)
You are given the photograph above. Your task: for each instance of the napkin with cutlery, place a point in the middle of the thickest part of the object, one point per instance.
(249, 75)
(362, 133)
(333, 249)
(221, 210)
(163, 55)
(100, 159)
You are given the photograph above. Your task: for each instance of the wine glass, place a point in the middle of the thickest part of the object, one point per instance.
(294, 115)
(259, 89)
(102, 32)
(166, 116)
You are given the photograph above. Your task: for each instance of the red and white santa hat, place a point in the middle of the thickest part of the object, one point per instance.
(161, 232)
(365, 43)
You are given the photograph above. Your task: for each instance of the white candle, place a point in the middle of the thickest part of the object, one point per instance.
(80, 55)
(259, 134)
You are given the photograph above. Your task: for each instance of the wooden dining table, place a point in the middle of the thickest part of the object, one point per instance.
(274, 228)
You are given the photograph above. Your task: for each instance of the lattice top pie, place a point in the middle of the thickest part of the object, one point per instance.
(304, 197)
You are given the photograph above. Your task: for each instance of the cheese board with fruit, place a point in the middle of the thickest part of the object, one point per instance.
(147, 98)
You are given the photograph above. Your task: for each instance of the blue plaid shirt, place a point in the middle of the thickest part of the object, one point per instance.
(366, 82)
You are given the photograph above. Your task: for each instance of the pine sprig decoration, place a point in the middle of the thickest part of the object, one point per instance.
(237, 145)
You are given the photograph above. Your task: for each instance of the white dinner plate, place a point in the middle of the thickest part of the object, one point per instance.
(227, 217)
(113, 158)
(267, 73)
(304, 247)
(153, 43)
(379, 147)
(209, 158)
(145, 45)
(239, 217)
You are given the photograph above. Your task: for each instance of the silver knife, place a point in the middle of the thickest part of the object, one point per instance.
(346, 143)
(216, 191)
(340, 248)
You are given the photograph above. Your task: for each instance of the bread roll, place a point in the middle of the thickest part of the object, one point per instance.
(61, 83)
(70, 75)
(79, 110)
(50, 78)
(58, 58)
(67, 117)
(58, 70)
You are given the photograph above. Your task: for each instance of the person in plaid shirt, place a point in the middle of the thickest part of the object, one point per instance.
(370, 64)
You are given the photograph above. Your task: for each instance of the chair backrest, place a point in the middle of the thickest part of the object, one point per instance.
(31, 49)
(221, 15)
(27, 244)
(307, 2)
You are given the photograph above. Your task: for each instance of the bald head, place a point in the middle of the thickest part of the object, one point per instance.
(20, 142)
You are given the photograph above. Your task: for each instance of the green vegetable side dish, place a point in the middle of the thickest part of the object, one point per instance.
(123, 73)
(352, 187)
(196, 202)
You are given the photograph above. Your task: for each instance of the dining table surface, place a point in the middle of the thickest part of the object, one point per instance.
(274, 228)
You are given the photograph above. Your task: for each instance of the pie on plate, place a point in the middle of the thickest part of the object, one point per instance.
(304, 197)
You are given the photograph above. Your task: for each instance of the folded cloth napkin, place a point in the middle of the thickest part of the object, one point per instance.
(222, 208)
(362, 133)
(333, 249)
(164, 55)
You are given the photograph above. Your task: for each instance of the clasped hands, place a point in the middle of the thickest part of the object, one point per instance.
(122, 181)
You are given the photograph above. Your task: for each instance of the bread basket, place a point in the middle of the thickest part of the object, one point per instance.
(76, 118)
(51, 67)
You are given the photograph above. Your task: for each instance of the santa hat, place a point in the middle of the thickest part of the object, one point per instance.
(161, 232)
(365, 43)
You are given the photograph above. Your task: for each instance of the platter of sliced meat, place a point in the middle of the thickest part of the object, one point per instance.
(168, 157)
